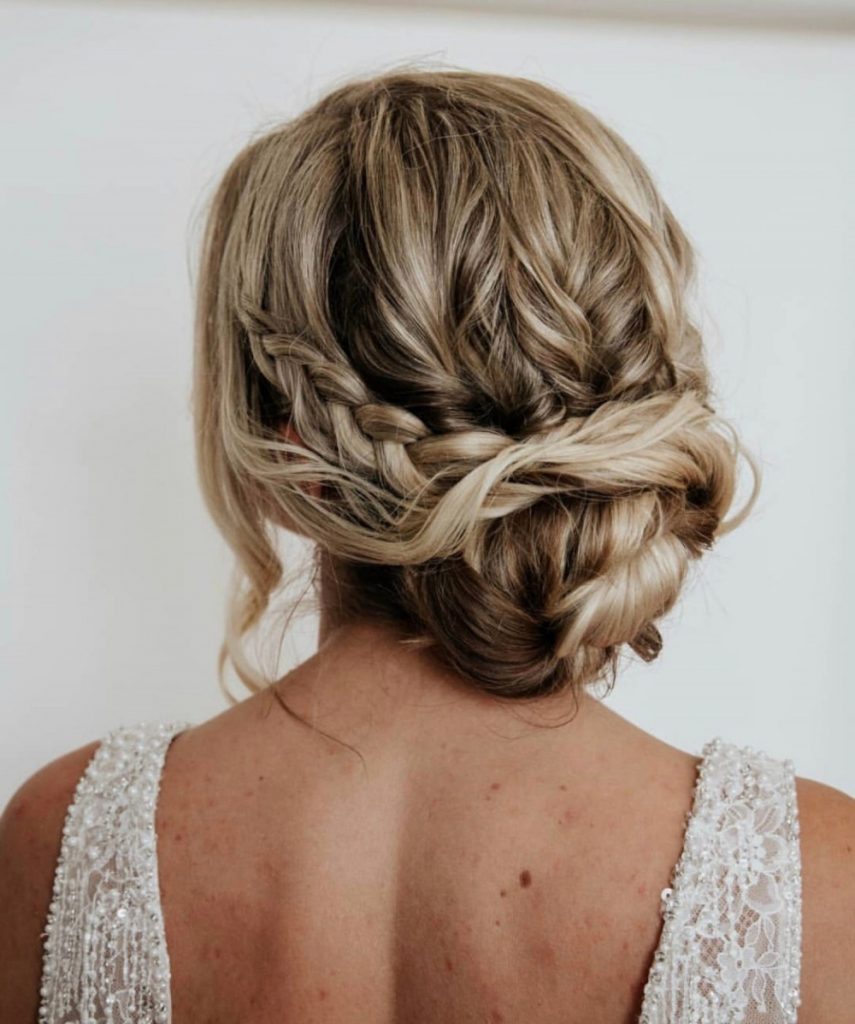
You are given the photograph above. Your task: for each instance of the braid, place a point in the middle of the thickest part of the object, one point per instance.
(468, 298)
(603, 455)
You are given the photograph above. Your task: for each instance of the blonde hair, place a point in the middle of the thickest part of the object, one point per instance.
(466, 294)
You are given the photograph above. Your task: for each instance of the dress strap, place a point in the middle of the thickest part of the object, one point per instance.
(730, 947)
(105, 954)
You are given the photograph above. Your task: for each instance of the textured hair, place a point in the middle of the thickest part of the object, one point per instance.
(467, 297)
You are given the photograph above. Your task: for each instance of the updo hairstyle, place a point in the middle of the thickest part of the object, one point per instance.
(466, 295)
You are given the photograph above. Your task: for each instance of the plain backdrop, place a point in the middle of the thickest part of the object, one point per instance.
(117, 121)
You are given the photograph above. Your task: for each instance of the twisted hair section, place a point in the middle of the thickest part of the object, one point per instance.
(468, 298)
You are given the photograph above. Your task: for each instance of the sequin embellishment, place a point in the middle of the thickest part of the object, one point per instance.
(104, 954)
(730, 948)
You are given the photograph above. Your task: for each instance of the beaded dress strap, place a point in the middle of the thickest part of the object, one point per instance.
(105, 955)
(730, 948)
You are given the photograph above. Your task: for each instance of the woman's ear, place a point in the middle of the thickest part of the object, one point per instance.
(289, 432)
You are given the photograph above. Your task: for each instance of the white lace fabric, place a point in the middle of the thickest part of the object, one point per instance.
(729, 951)
(730, 948)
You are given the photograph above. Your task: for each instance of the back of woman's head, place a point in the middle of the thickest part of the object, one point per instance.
(465, 294)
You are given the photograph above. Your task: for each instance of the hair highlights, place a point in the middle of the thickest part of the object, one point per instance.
(468, 298)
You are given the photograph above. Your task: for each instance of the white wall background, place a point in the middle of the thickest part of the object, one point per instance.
(116, 122)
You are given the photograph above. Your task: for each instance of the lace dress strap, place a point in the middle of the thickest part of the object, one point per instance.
(105, 954)
(730, 948)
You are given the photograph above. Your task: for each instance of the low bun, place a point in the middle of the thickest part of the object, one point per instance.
(571, 545)
(467, 297)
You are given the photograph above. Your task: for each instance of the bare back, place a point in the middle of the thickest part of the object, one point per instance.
(458, 865)
(456, 877)
(444, 861)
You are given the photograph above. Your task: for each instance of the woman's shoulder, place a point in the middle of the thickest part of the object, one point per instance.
(744, 795)
(827, 818)
(30, 837)
(31, 830)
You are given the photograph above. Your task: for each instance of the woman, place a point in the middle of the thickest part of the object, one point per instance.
(443, 333)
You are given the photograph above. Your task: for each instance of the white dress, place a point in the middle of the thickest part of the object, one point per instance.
(729, 951)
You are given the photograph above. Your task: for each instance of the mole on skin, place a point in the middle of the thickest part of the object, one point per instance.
(525, 879)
